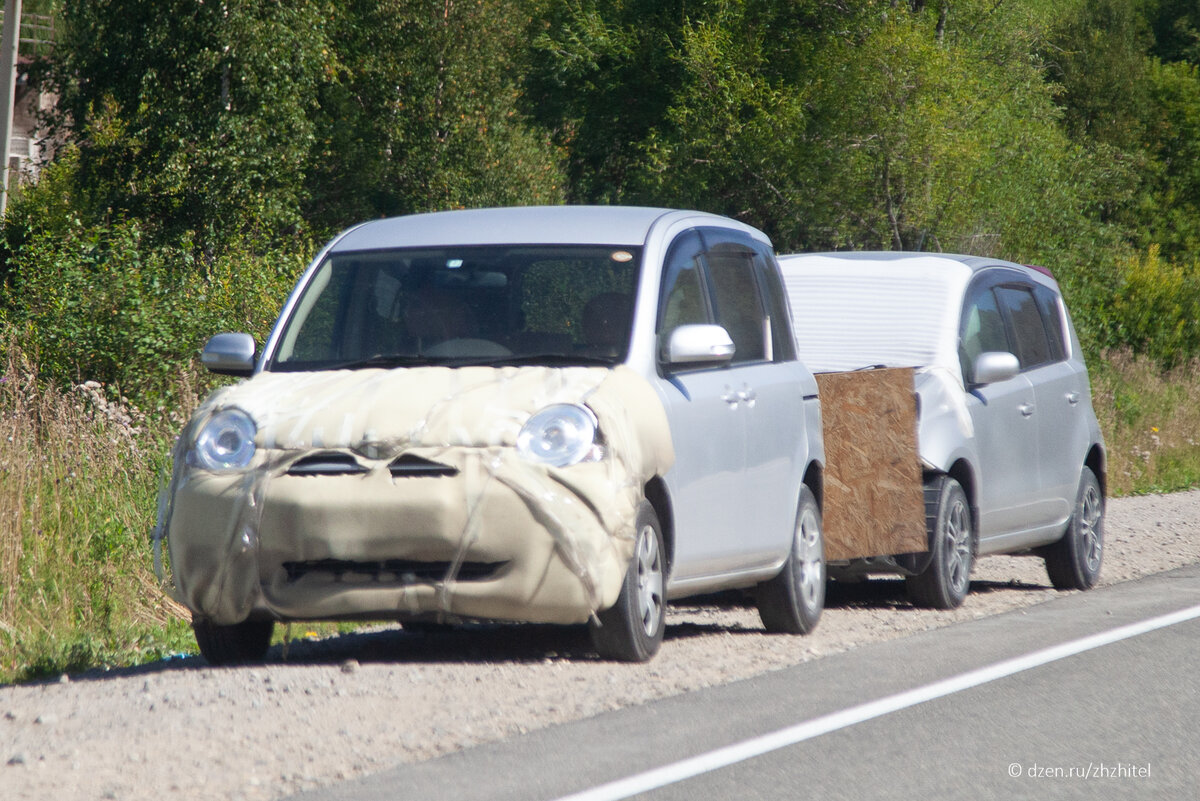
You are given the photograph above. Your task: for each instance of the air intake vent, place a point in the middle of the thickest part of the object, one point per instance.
(409, 466)
(327, 464)
(392, 571)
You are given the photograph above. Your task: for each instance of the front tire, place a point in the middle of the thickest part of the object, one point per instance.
(792, 602)
(238, 644)
(1073, 563)
(632, 629)
(944, 583)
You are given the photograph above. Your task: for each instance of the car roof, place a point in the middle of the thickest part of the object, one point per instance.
(517, 225)
(907, 260)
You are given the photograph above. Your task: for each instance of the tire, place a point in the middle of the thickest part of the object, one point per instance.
(792, 602)
(944, 583)
(1073, 563)
(632, 629)
(238, 644)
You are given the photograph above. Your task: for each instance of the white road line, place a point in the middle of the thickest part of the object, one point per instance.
(748, 749)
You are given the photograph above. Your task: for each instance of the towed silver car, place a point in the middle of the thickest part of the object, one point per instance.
(562, 414)
(1012, 454)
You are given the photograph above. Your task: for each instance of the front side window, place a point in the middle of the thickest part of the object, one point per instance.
(982, 331)
(683, 300)
(464, 305)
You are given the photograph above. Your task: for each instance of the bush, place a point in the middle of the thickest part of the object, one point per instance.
(1153, 309)
(99, 303)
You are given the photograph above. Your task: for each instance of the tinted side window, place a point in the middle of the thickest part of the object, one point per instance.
(1025, 321)
(982, 331)
(783, 348)
(682, 298)
(731, 270)
(1048, 304)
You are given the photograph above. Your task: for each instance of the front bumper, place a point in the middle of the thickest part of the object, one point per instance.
(499, 539)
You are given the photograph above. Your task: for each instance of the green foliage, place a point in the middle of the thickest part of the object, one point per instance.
(421, 114)
(101, 303)
(77, 502)
(1154, 309)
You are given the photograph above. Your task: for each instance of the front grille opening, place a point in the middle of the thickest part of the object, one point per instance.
(391, 571)
(410, 466)
(327, 464)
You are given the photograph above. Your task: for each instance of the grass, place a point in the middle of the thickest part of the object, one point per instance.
(1151, 423)
(79, 478)
(78, 481)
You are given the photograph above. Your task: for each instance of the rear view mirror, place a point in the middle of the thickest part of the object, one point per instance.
(995, 366)
(699, 344)
(229, 354)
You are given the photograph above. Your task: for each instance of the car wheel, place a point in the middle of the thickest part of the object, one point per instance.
(792, 602)
(632, 629)
(1073, 563)
(233, 645)
(944, 583)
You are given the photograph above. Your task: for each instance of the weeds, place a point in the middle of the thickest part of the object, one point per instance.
(78, 478)
(1151, 422)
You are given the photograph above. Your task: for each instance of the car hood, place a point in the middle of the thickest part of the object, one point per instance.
(375, 412)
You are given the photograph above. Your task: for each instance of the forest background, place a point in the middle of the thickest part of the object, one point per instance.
(206, 149)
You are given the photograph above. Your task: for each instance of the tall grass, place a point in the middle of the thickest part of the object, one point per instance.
(1151, 422)
(78, 480)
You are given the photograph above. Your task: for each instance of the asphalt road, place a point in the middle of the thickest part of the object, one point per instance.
(979, 710)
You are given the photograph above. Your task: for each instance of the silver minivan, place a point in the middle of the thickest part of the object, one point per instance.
(559, 414)
(1012, 454)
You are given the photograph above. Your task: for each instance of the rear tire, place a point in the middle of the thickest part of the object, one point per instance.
(632, 629)
(1073, 563)
(238, 644)
(946, 580)
(792, 602)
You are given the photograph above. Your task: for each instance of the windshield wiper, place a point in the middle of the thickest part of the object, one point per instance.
(384, 360)
(548, 359)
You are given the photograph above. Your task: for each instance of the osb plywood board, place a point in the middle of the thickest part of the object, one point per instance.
(874, 504)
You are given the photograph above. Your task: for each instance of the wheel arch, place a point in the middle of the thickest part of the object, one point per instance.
(962, 472)
(656, 493)
(814, 479)
(1098, 462)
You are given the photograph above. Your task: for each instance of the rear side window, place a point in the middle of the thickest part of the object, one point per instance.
(1026, 326)
(1051, 308)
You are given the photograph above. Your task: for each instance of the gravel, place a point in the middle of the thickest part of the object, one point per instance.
(323, 711)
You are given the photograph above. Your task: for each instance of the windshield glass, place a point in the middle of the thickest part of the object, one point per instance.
(543, 304)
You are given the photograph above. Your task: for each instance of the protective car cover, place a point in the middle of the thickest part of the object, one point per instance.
(468, 418)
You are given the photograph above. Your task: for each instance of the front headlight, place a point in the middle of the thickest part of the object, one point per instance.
(560, 435)
(226, 442)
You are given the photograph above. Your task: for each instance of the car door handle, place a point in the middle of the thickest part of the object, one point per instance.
(748, 396)
(1026, 409)
(731, 397)
(1072, 398)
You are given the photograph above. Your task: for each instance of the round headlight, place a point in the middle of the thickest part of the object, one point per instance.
(558, 435)
(226, 442)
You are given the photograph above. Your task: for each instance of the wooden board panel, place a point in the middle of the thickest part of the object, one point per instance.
(874, 504)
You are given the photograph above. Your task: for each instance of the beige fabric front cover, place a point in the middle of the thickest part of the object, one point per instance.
(465, 417)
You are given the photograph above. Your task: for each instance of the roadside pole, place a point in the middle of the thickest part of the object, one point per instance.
(8, 88)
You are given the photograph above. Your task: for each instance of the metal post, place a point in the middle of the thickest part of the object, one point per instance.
(8, 88)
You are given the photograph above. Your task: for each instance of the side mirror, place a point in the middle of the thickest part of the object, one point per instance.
(699, 344)
(229, 354)
(995, 366)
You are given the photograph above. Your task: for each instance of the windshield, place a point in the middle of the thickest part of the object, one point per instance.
(544, 304)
